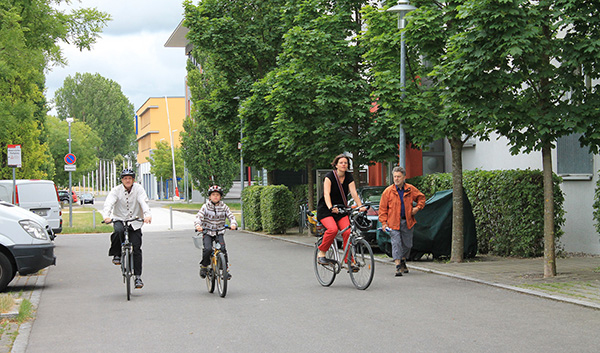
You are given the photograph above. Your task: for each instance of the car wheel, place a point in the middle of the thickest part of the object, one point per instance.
(7, 273)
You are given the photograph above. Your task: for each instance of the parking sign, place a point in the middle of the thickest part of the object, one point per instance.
(14, 156)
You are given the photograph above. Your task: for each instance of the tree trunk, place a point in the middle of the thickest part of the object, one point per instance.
(356, 169)
(549, 248)
(458, 238)
(311, 184)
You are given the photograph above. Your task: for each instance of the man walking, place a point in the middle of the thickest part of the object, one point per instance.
(397, 216)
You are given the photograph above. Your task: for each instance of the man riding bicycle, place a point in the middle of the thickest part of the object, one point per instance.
(127, 201)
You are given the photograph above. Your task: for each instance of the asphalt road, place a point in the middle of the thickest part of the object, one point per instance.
(275, 304)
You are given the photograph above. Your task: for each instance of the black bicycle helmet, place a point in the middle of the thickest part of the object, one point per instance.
(362, 222)
(215, 188)
(128, 172)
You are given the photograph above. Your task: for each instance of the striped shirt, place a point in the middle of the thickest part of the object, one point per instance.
(213, 216)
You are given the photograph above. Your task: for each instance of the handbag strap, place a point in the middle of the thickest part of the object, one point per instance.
(337, 178)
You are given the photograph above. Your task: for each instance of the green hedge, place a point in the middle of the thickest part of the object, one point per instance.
(277, 208)
(251, 207)
(596, 205)
(508, 206)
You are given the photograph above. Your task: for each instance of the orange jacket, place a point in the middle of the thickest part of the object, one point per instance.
(390, 206)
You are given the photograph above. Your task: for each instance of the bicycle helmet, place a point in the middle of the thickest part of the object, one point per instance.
(215, 188)
(128, 172)
(362, 222)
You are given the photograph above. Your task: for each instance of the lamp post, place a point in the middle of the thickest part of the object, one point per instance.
(69, 121)
(175, 189)
(241, 167)
(402, 8)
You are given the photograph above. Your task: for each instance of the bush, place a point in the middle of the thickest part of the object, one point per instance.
(596, 205)
(251, 207)
(277, 208)
(508, 206)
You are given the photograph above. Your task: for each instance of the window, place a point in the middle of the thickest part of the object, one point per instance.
(572, 160)
(433, 158)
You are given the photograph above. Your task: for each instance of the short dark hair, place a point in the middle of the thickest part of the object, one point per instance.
(337, 158)
(399, 169)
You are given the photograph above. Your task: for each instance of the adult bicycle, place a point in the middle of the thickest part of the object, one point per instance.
(217, 272)
(360, 260)
(127, 254)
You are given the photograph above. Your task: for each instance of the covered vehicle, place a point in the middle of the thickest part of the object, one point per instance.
(433, 232)
(369, 195)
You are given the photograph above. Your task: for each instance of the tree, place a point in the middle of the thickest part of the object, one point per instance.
(207, 159)
(235, 44)
(84, 145)
(161, 161)
(427, 107)
(516, 65)
(100, 103)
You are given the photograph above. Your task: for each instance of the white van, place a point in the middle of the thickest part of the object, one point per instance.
(37, 196)
(25, 243)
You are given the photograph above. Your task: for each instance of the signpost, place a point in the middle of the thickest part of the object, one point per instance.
(14, 161)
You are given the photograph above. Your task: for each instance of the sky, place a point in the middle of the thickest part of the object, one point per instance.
(130, 51)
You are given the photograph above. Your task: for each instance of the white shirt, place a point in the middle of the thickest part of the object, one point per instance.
(121, 205)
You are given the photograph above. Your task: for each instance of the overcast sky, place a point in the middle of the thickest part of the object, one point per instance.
(131, 51)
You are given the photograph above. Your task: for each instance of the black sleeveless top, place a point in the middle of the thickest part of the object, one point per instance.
(336, 196)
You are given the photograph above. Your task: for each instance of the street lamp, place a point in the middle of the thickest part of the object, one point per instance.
(402, 8)
(69, 121)
(241, 166)
(175, 189)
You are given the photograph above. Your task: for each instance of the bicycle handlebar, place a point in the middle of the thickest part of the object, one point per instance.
(347, 210)
(126, 221)
(213, 230)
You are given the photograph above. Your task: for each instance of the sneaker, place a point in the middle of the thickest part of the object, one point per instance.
(228, 276)
(403, 266)
(203, 271)
(138, 283)
(398, 270)
(116, 260)
(325, 261)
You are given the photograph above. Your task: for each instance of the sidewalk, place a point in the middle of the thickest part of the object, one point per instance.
(577, 280)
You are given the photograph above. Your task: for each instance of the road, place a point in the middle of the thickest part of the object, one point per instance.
(274, 304)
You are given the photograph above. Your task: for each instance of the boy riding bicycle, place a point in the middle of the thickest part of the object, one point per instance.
(211, 216)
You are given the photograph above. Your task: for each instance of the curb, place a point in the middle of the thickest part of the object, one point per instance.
(24, 330)
(466, 278)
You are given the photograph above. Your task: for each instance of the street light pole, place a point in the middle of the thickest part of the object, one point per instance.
(69, 121)
(402, 8)
(241, 167)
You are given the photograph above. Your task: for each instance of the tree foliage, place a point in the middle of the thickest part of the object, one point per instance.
(29, 35)
(100, 103)
(161, 160)
(207, 158)
(84, 146)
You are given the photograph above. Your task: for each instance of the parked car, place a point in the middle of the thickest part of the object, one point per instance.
(370, 195)
(25, 243)
(63, 195)
(86, 198)
(37, 196)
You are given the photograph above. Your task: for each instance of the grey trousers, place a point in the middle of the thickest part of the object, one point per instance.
(402, 241)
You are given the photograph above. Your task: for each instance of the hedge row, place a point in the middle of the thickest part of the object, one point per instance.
(508, 206)
(269, 208)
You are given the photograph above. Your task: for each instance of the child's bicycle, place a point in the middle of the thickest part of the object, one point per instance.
(217, 269)
(127, 255)
(361, 263)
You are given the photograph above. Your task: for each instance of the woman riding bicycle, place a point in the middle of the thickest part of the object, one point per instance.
(336, 185)
(213, 215)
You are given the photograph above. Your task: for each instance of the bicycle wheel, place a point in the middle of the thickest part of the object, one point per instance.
(362, 255)
(325, 273)
(210, 277)
(127, 271)
(222, 275)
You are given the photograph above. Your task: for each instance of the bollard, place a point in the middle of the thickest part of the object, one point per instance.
(171, 212)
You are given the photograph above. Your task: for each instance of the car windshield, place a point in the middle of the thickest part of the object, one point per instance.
(87, 196)
(372, 195)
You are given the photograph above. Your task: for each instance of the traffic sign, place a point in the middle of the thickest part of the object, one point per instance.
(14, 156)
(70, 158)
(70, 167)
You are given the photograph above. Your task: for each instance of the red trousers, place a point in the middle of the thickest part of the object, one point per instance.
(332, 228)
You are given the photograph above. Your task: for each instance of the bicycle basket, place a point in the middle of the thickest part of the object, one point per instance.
(362, 222)
(198, 241)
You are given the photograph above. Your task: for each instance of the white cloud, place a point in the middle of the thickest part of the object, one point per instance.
(131, 51)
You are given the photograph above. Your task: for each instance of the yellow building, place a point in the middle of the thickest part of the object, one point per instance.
(158, 119)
